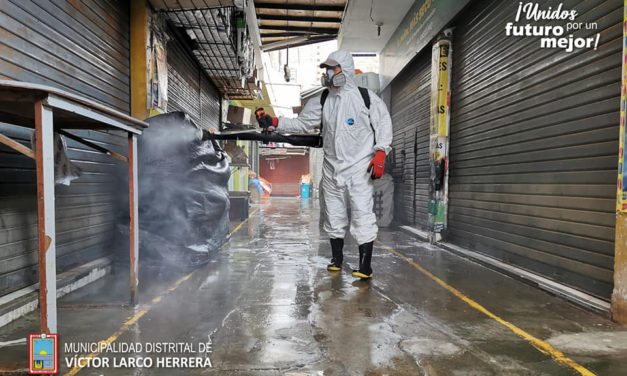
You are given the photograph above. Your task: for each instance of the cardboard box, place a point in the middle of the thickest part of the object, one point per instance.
(236, 152)
(238, 115)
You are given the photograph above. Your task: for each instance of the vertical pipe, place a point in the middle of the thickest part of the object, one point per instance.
(200, 98)
(439, 135)
(44, 153)
(134, 228)
(221, 98)
(619, 294)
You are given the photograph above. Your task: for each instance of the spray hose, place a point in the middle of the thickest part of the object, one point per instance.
(313, 141)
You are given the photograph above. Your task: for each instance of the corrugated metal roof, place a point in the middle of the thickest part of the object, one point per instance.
(191, 4)
(212, 27)
(298, 22)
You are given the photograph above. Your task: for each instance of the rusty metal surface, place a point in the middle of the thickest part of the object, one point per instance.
(46, 218)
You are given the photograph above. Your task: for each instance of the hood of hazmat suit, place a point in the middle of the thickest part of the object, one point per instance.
(352, 134)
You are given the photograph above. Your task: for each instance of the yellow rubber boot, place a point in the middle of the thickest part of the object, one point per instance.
(365, 256)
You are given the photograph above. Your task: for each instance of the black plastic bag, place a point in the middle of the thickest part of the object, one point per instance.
(183, 193)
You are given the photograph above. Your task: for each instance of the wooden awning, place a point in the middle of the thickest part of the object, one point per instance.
(295, 23)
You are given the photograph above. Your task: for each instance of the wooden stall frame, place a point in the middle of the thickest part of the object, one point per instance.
(77, 113)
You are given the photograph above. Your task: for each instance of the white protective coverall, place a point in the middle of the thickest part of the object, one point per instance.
(350, 143)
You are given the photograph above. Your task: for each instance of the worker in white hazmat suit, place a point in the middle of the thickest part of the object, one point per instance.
(356, 138)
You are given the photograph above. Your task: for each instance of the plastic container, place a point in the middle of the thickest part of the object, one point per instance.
(304, 190)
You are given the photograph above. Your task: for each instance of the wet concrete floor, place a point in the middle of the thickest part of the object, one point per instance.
(269, 307)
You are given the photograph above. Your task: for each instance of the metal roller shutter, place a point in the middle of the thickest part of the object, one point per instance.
(81, 47)
(85, 210)
(210, 104)
(534, 143)
(183, 81)
(410, 102)
(189, 90)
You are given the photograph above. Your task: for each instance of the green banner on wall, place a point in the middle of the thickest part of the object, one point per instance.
(425, 19)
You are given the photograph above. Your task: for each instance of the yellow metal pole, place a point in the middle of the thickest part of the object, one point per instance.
(246, 147)
(619, 296)
(138, 43)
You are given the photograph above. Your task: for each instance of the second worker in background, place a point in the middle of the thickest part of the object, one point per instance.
(356, 130)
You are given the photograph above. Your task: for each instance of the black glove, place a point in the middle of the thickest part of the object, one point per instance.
(266, 122)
